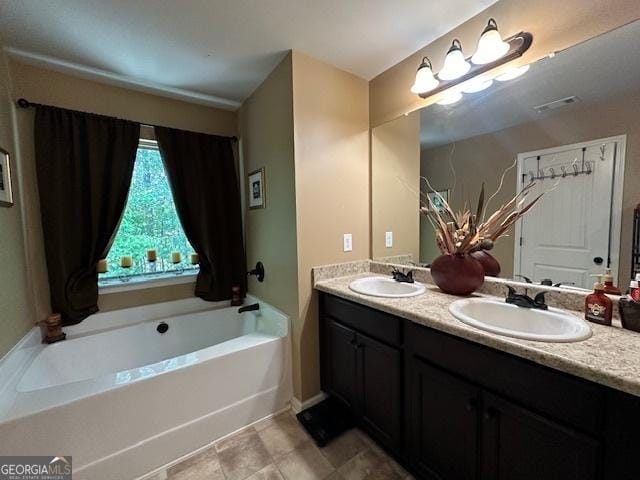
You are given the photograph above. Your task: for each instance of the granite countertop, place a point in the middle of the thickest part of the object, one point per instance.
(610, 357)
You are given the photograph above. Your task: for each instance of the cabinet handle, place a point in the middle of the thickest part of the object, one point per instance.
(471, 405)
(490, 413)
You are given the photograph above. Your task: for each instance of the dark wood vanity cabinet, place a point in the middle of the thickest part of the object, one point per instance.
(442, 423)
(365, 374)
(451, 409)
(340, 371)
(517, 443)
(459, 431)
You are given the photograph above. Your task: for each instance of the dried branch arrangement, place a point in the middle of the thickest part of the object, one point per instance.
(465, 232)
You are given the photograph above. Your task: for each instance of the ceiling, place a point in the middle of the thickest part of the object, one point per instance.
(603, 67)
(217, 52)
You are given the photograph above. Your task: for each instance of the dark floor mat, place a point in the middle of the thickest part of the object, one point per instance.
(326, 420)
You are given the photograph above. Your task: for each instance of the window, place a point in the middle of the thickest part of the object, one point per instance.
(150, 221)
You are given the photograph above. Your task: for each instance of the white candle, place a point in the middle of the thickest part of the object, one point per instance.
(102, 266)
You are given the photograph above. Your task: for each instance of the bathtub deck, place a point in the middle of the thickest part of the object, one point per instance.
(280, 449)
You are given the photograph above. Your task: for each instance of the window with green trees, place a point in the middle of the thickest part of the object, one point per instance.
(150, 220)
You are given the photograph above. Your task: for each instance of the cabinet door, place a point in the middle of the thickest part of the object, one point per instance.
(517, 443)
(443, 419)
(341, 357)
(622, 436)
(380, 391)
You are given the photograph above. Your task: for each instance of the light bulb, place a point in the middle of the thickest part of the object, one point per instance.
(475, 86)
(491, 47)
(451, 98)
(425, 81)
(455, 64)
(513, 73)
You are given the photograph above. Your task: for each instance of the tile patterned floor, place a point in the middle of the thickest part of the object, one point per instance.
(280, 449)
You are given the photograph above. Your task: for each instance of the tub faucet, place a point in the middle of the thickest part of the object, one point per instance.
(249, 308)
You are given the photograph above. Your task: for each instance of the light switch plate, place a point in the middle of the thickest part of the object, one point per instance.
(347, 242)
(388, 239)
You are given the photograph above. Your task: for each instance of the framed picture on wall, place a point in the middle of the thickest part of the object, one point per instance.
(6, 193)
(256, 189)
(436, 199)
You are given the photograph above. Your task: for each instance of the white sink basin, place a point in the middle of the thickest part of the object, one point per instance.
(495, 316)
(386, 287)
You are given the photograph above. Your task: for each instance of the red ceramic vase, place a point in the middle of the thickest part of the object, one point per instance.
(489, 263)
(457, 274)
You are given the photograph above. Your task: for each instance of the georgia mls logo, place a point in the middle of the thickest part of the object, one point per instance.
(59, 465)
(35, 468)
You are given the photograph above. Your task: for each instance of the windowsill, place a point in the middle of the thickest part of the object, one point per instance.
(115, 285)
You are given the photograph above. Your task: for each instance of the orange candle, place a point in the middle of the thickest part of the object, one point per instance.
(126, 261)
(152, 255)
(176, 257)
(195, 259)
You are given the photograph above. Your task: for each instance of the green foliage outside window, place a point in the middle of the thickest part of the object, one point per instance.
(150, 220)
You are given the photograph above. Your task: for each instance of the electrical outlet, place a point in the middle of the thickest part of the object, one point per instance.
(347, 242)
(388, 239)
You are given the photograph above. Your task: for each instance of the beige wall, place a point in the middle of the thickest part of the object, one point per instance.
(554, 24)
(486, 156)
(266, 140)
(53, 88)
(395, 186)
(331, 115)
(16, 312)
(307, 124)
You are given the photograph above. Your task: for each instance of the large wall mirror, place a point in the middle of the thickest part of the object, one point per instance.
(571, 124)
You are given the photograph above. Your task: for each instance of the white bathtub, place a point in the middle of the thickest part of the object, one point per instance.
(124, 399)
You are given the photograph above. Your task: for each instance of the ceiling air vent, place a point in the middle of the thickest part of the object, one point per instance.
(563, 102)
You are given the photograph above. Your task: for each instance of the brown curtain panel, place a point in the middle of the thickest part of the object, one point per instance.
(204, 183)
(84, 165)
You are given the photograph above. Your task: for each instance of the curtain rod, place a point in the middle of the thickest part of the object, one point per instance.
(24, 103)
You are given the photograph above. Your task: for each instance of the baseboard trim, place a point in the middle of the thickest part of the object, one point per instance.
(298, 406)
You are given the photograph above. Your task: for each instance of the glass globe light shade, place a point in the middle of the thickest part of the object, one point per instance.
(425, 81)
(451, 98)
(491, 47)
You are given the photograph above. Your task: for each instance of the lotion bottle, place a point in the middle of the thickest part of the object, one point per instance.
(609, 287)
(598, 308)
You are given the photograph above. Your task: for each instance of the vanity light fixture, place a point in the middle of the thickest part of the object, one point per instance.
(455, 65)
(458, 69)
(425, 81)
(491, 47)
(513, 73)
(451, 98)
(475, 86)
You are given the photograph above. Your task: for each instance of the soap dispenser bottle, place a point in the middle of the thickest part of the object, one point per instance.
(598, 308)
(609, 287)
